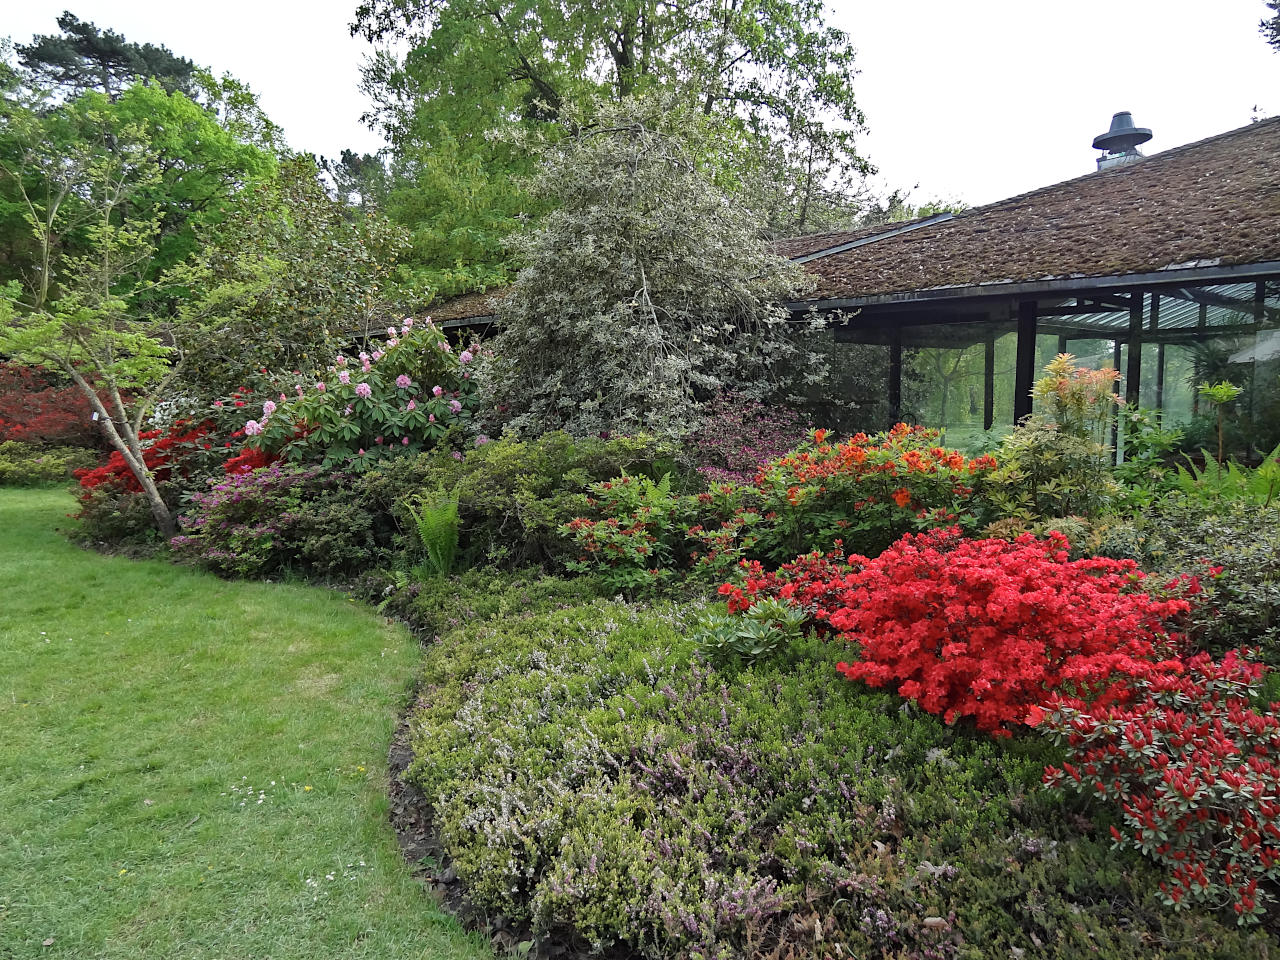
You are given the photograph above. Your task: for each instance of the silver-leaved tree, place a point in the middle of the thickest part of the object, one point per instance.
(645, 290)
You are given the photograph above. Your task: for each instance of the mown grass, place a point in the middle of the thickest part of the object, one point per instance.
(193, 768)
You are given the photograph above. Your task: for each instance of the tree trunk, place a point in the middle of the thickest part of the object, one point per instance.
(125, 440)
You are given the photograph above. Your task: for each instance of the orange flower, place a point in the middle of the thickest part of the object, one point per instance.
(902, 496)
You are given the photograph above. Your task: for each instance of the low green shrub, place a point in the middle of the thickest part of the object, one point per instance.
(279, 519)
(32, 465)
(513, 495)
(593, 780)
(1243, 539)
(437, 605)
(117, 520)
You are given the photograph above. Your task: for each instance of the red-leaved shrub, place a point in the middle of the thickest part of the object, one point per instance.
(984, 628)
(1195, 770)
(36, 409)
(165, 452)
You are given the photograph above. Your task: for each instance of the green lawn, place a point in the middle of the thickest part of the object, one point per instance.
(192, 768)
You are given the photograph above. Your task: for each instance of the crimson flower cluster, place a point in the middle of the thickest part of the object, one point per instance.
(166, 452)
(1195, 770)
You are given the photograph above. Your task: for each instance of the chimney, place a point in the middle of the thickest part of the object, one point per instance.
(1120, 143)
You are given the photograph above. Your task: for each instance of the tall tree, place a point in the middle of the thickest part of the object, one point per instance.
(83, 57)
(288, 276)
(768, 72)
(77, 311)
(644, 290)
(1270, 26)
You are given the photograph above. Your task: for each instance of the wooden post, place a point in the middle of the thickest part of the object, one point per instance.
(1160, 356)
(989, 383)
(1062, 343)
(1133, 374)
(895, 375)
(1025, 369)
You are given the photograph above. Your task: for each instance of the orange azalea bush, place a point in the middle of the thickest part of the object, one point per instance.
(868, 491)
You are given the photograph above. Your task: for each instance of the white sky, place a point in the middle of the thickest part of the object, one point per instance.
(973, 101)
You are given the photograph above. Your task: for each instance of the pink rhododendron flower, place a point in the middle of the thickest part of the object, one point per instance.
(364, 390)
(377, 354)
(320, 386)
(437, 390)
(299, 389)
(360, 452)
(217, 403)
(283, 398)
(466, 375)
(481, 440)
(464, 356)
(413, 405)
(403, 381)
(457, 455)
(431, 418)
(253, 428)
(378, 439)
(408, 324)
(348, 410)
(444, 345)
(404, 441)
(268, 408)
(341, 361)
(455, 406)
(363, 356)
(391, 331)
(344, 377)
(366, 366)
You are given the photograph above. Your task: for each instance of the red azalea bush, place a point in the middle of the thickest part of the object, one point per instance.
(167, 454)
(1195, 770)
(811, 581)
(869, 490)
(988, 628)
(737, 436)
(34, 408)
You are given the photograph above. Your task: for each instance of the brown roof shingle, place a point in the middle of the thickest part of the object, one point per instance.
(1217, 200)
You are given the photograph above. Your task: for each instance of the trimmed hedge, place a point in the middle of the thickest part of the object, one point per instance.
(33, 465)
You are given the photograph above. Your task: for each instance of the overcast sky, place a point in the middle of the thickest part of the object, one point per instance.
(972, 101)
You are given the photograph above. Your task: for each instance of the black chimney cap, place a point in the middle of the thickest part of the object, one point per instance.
(1123, 135)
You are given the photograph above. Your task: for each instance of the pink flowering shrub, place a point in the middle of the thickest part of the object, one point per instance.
(738, 436)
(361, 410)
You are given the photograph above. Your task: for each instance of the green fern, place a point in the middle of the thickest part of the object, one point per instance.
(436, 523)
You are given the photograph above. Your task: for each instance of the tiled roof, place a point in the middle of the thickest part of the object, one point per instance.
(1211, 203)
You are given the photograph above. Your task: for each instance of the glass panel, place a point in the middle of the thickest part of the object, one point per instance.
(945, 379)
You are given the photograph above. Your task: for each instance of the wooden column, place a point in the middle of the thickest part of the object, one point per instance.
(895, 375)
(1160, 355)
(989, 382)
(1133, 373)
(1062, 343)
(1025, 370)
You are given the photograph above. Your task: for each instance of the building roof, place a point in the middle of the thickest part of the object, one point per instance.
(1210, 204)
(1215, 203)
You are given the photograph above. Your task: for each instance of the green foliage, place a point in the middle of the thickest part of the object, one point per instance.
(435, 606)
(774, 79)
(284, 520)
(285, 279)
(592, 780)
(1270, 26)
(115, 520)
(435, 521)
(31, 465)
(643, 289)
(1243, 609)
(1215, 482)
(378, 406)
(1057, 463)
(1146, 471)
(513, 495)
(758, 633)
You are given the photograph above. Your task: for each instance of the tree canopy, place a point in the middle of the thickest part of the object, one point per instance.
(1270, 26)
(770, 74)
(82, 58)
